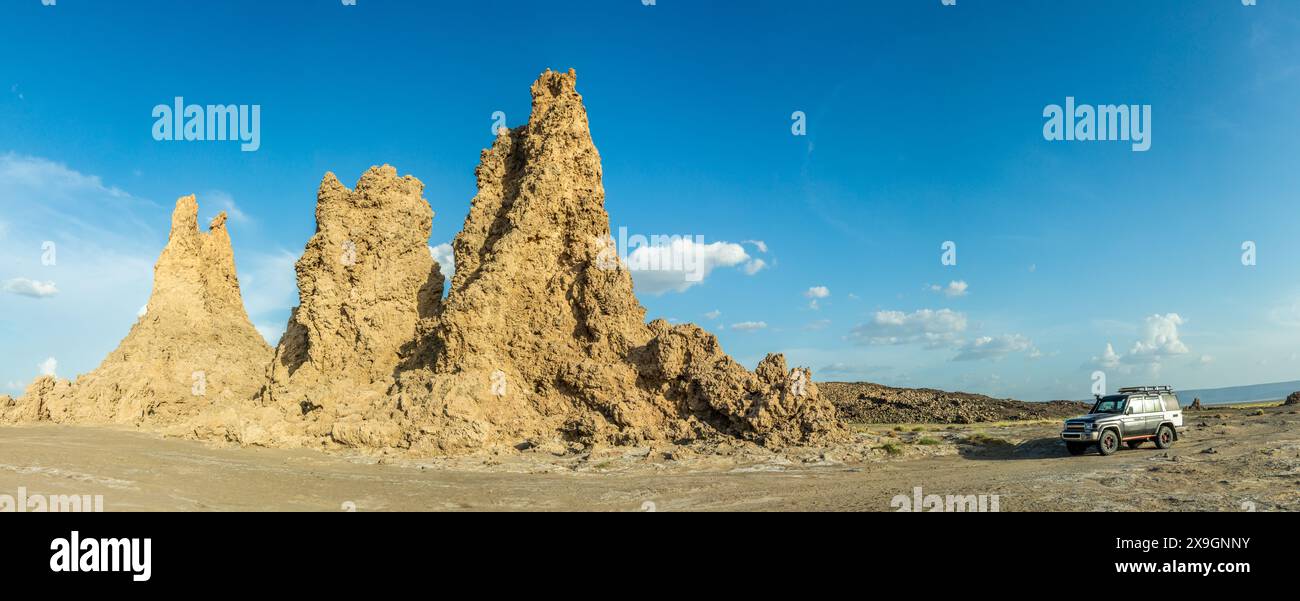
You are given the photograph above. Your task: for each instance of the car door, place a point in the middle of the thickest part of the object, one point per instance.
(1154, 415)
(1135, 419)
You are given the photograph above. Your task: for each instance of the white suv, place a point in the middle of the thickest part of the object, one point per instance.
(1133, 416)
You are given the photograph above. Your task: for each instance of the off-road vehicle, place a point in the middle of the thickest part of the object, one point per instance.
(1132, 416)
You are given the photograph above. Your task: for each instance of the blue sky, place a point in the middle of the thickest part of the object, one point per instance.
(924, 125)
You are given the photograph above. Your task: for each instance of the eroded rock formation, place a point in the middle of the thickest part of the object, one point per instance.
(540, 338)
(365, 279)
(192, 350)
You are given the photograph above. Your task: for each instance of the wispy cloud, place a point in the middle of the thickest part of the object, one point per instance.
(107, 241)
(814, 294)
(216, 201)
(925, 326)
(941, 329)
(954, 288)
(993, 347)
(57, 201)
(270, 289)
(818, 325)
(31, 288)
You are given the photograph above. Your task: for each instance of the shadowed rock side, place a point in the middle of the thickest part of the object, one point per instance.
(541, 335)
(365, 278)
(193, 349)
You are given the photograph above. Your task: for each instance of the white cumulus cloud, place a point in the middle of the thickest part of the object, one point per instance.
(445, 257)
(954, 288)
(814, 294)
(28, 287)
(1160, 339)
(682, 263)
(749, 326)
(1109, 359)
(48, 367)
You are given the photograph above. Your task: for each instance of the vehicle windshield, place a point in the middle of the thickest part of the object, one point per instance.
(1110, 404)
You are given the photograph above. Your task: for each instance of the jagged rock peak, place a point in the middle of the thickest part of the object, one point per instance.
(194, 348)
(366, 279)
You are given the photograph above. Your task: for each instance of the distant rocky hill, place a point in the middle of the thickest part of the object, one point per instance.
(864, 402)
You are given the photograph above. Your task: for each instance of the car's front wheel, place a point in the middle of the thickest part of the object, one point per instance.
(1109, 442)
(1076, 448)
(1164, 437)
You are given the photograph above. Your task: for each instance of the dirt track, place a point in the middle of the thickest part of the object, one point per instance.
(1256, 459)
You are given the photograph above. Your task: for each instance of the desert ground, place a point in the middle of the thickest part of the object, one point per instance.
(1230, 459)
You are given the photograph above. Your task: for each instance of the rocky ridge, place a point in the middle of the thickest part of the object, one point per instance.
(864, 402)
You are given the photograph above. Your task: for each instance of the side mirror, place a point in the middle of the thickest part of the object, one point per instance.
(1128, 410)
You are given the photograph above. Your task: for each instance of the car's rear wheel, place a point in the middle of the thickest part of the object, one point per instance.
(1109, 442)
(1164, 437)
(1076, 448)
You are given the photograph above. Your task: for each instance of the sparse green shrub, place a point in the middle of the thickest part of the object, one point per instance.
(890, 448)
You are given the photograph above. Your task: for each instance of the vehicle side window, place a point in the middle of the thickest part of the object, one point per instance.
(1148, 405)
(1170, 402)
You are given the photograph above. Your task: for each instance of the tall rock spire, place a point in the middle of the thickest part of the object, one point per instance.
(542, 336)
(365, 280)
(192, 350)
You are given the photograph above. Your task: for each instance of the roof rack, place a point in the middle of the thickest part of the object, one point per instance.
(1146, 389)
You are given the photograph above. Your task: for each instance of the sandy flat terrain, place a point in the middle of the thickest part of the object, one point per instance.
(1230, 460)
